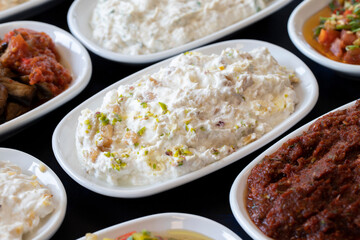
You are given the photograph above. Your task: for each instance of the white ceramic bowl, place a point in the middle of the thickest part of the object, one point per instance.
(81, 10)
(238, 192)
(295, 28)
(63, 141)
(75, 58)
(31, 166)
(30, 5)
(166, 221)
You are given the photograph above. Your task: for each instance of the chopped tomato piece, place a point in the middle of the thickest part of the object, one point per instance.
(125, 236)
(327, 37)
(352, 56)
(347, 37)
(337, 48)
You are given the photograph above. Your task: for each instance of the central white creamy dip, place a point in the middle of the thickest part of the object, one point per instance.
(187, 115)
(23, 202)
(137, 27)
(197, 110)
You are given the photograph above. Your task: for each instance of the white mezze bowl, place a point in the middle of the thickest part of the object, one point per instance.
(79, 16)
(74, 57)
(238, 192)
(167, 221)
(295, 28)
(30, 165)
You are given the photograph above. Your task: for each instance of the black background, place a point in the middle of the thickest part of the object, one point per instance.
(209, 196)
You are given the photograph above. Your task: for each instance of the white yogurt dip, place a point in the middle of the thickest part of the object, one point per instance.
(137, 27)
(23, 202)
(6, 4)
(197, 110)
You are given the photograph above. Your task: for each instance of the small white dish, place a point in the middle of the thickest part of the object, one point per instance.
(166, 221)
(31, 4)
(81, 10)
(74, 57)
(238, 190)
(296, 22)
(31, 166)
(63, 141)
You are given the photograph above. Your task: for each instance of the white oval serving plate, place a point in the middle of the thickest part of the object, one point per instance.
(21, 8)
(238, 190)
(296, 22)
(63, 141)
(166, 221)
(81, 11)
(31, 166)
(75, 58)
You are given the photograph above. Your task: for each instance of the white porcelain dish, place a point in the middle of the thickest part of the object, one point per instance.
(166, 221)
(63, 141)
(31, 166)
(21, 8)
(295, 29)
(75, 58)
(238, 190)
(80, 12)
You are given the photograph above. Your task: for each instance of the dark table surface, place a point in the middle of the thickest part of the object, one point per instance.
(209, 196)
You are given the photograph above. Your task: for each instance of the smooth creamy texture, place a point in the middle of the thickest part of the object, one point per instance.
(23, 200)
(5, 4)
(137, 27)
(187, 115)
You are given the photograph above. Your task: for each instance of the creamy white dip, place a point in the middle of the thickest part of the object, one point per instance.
(137, 27)
(23, 202)
(6, 4)
(187, 115)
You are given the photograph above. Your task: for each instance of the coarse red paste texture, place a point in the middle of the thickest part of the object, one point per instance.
(33, 54)
(310, 187)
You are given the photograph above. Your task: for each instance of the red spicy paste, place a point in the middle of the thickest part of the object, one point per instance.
(310, 187)
(33, 53)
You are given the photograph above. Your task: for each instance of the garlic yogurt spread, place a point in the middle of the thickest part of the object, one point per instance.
(6, 4)
(136, 27)
(197, 110)
(23, 202)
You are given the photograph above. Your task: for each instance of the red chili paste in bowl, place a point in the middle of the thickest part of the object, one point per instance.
(310, 187)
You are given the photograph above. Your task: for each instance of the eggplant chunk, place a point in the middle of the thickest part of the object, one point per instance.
(44, 90)
(19, 91)
(14, 110)
(3, 98)
(6, 72)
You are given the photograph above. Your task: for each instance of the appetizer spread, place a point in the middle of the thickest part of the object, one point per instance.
(337, 36)
(23, 202)
(30, 72)
(173, 234)
(6, 4)
(143, 27)
(189, 114)
(310, 187)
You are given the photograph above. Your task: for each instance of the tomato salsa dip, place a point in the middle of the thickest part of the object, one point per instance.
(335, 31)
(30, 72)
(310, 187)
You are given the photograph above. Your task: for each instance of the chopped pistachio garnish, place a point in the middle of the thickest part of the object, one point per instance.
(102, 118)
(163, 107)
(144, 104)
(141, 131)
